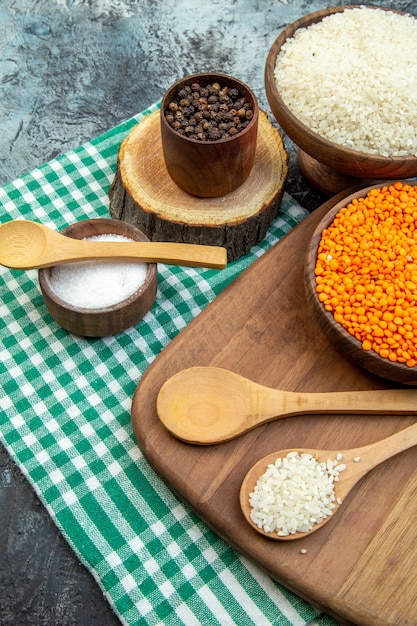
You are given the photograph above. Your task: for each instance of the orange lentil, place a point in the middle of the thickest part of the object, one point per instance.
(366, 271)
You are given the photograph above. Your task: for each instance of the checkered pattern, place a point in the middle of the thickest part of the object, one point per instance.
(65, 420)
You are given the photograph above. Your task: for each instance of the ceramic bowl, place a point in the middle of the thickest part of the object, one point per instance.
(100, 322)
(345, 343)
(327, 166)
(209, 169)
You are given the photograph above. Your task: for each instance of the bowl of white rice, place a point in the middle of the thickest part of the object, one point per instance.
(342, 84)
(100, 297)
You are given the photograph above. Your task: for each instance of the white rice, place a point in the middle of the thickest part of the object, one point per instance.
(295, 493)
(352, 78)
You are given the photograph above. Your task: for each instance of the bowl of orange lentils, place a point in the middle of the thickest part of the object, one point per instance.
(361, 279)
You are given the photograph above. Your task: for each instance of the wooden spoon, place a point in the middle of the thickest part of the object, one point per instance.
(30, 245)
(358, 461)
(208, 405)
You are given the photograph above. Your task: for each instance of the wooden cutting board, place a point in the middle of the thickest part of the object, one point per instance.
(362, 566)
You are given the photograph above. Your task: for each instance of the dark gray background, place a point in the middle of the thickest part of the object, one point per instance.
(70, 70)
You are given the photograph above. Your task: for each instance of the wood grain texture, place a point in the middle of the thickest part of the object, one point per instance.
(336, 157)
(144, 194)
(25, 244)
(275, 341)
(209, 405)
(390, 565)
(323, 178)
(209, 169)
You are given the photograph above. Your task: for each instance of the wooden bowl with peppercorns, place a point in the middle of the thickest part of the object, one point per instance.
(361, 279)
(99, 298)
(209, 125)
(334, 80)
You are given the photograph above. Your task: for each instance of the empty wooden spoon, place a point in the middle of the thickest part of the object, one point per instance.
(208, 405)
(29, 245)
(358, 461)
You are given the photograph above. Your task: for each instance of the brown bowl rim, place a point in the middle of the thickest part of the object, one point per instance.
(287, 33)
(193, 77)
(368, 360)
(44, 274)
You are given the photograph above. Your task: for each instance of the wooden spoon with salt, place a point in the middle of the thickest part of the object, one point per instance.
(209, 405)
(358, 461)
(29, 245)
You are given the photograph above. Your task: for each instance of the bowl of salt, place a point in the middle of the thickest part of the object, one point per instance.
(99, 298)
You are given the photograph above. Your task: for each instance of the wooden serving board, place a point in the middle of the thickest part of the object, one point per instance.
(361, 567)
(144, 194)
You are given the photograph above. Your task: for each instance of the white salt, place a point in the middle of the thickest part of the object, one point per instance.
(97, 284)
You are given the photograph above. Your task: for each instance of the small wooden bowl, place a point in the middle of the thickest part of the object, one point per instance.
(329, 167)
(109, 320)
(209, 169)
(349, 346)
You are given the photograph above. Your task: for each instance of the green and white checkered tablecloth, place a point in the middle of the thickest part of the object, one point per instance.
(65, 420)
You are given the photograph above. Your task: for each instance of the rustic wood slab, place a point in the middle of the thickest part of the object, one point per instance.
(143, 193)
(361, 567)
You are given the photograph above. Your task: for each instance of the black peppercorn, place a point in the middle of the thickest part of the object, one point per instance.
(209, 113)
